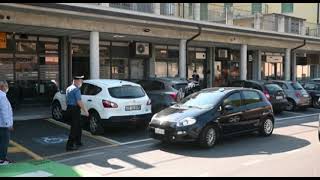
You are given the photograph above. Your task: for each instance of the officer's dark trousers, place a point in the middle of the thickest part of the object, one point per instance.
(4, 142)
(73, 114)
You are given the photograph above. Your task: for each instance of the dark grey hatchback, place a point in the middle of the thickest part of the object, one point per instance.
(209, 114)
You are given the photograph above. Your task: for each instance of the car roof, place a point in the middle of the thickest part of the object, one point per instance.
(226, 89)
(170, 79)
(110, 82)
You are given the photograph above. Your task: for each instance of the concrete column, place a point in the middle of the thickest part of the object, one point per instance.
(287, 65)
(197, 11)
(281, 24)
(94, 55)
(64, 58)
(105, 4)
(229, 16)
(259, 65)
(210, 66)
(294, 67)
(302, 27)
(156, 8)
(182, 59)
(257, 21)
(152, 62)
(70, 52)
(243, 62)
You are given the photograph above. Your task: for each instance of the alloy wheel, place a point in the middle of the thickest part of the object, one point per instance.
(57, 112)
(93, 124)
(268, 126)
(211, 137)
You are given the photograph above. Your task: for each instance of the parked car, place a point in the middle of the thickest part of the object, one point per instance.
(164, 91)
(212, 113)
(108, 101)
(316, 79)
(319, 130)
(313, 88)
(272, 91)
(296, 95)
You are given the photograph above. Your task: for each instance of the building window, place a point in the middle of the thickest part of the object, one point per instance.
(286, 7)
(204, 11)
(228, 5)
(256, 8)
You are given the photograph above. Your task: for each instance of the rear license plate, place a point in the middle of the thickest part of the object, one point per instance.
(158, 131)
(279, 97)
(133, 108)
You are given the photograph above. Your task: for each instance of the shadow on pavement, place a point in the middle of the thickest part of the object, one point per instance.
(240, 146)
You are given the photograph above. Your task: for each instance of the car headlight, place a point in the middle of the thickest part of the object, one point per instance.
(186, 122)
(154, 116)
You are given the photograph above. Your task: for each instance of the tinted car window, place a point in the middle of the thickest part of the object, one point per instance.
(282, 85)
(296, 86)
(83, 88)
(147, 85)
(126, 92)
(272, 88)
(92, 90)
(202, 99)
(234, 100)
(251, 97)
(156, 85)
(179, 86)
(310, 86)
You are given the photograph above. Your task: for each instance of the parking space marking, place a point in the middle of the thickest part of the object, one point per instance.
(100, 138)
(295, 117)
(14, 150)
(27, 151)
(137, 141)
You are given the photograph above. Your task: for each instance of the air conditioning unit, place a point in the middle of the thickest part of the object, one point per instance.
(142, 49)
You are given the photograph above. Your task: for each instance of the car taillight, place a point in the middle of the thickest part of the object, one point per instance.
(298, 94)
(174, 96)
(109, 104)
(149, 102)
(266, 93)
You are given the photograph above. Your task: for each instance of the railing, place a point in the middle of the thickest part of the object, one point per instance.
(209, 12)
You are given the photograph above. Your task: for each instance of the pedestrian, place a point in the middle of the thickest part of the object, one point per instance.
(6, 122)
(195, 76)
(74, 106)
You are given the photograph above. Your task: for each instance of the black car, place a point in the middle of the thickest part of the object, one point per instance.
(209, 114)
(313, 88)
(272, 91)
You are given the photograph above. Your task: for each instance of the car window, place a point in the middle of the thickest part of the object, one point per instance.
(180, 86)
(83, 88)
(126, 91)
(272, 88)
(156, 85)
(237, 84)
(147, 85)
(282, 85)
(251, 97)
(233, 99)
(202, 99)
(253, 86)
(92, 90)
(310, 86)
(296, 86)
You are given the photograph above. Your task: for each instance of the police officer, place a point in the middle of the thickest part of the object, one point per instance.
(74, 106)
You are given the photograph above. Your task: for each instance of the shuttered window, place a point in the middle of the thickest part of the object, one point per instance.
(286, 7)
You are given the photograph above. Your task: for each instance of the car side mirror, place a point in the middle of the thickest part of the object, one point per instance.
(228, 107)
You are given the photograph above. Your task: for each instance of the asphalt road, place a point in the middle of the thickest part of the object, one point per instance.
(292, 150)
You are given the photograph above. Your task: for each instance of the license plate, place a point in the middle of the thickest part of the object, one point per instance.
(158, 131)
(133, 108)
(279, 97)
(305, 95)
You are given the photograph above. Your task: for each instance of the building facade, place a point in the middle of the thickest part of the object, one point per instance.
(44, 45)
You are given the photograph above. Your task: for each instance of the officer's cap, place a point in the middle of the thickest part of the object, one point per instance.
(78, 77)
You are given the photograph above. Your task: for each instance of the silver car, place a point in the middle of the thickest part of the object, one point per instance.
(297, 96)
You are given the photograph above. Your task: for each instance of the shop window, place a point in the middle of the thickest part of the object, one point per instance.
(204, 11)
(26, 46)
(6, 66)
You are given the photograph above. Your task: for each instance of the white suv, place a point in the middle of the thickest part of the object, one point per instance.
(108, 101)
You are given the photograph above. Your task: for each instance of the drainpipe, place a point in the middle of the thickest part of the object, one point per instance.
(291, 57)
(188, 40)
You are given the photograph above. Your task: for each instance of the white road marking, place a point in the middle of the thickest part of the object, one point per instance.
(295, 117)
(249, 163)
(35, 174)
(132, 142)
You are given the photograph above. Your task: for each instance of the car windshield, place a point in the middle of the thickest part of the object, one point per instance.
(296, 86)
(203, 100)
(126, 91)
(272, 88)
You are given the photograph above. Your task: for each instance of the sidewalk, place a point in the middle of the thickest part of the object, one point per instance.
(42, 168)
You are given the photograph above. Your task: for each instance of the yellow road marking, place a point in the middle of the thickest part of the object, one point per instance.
(14, 150)
(100, 138)
(27, 151)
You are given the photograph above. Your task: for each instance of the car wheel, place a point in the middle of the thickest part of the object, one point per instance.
(209, 136)
(56, 111)
(316, 103)
(266, 127)
(291, 105)
(95, 124)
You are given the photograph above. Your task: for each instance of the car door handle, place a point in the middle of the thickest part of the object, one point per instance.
(89, 100)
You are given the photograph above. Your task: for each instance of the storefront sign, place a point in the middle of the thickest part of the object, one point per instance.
(3, 40)
(274, 59)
